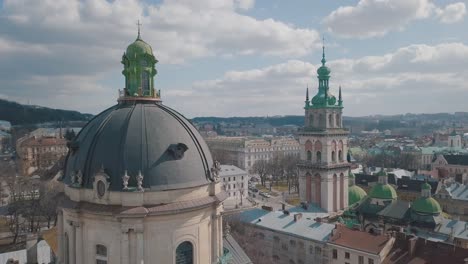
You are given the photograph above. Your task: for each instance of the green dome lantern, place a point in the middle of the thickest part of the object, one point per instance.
(139, 70)
(324, 98)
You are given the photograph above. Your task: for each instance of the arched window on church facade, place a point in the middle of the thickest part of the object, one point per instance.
(309, 155)
(337, 119)
(330, 120)
(184, 253)
(319, 157)
(101, 254)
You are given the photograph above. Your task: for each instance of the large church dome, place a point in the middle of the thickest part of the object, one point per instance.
(139, 136)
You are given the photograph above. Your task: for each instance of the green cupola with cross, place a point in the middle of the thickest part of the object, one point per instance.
(324, 98)
(139, 70)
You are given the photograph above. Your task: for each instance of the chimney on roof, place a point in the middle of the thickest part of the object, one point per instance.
(412, 245)
(283, 206)
(297, 217)
(267, 208)
(286, 212)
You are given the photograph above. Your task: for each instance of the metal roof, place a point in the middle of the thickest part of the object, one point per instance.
(231, 170)
(458, 191)
(305, 227)
(140, 136)
(237, 254)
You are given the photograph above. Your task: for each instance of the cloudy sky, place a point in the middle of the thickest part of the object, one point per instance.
(239, 57)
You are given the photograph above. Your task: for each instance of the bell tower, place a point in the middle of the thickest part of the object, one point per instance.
(323, 167)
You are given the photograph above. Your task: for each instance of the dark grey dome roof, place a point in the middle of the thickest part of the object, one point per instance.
(140, 136)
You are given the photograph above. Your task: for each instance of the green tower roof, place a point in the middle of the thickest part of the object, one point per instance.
(355, 194)
(426, 205)
(324, 98)
(426, 186)
(381, 173)
(138, 48)
(351, 175)
(383, 191)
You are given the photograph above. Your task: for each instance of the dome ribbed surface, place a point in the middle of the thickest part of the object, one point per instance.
(383, 191)
(137, 136)
(426, 205)
(138, 48)
(355, 194)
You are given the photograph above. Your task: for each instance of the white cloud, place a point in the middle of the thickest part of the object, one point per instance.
(83, 41)
(374, 18)
(416, 78)
(451, 13)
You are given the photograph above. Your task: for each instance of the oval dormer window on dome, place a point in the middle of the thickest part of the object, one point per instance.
(101, 188)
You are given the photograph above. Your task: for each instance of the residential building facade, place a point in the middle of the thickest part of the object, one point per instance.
(243, 152)
(235, 181)
(35, 153)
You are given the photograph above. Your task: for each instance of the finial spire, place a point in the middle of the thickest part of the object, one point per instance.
(138, 24)
(340, 99)
(307, 93)
(323, 51)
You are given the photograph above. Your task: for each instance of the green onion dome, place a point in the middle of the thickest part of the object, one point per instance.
(383, 191)
(138, 48)
(426, 205)
(355, 194)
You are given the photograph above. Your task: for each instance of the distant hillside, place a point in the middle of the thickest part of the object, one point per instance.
(274, 121)
(19, 114)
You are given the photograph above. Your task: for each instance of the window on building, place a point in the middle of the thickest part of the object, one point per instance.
(301, 245)
(229, 179)
(292, 243)
(318, 251)
(346, 255)
(360, 260)
(234, 179)
(319, 157)
(284, 246)
(242, 177)
(145, 83)
(340, 155)
(311, 250)
(184, 253)
(335, 254)
(101, 254)
(276, 239)
(333, 156)
(309, 155)
(371, 261)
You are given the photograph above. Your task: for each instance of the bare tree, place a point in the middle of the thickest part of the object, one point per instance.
(49, 201)
(260, 167)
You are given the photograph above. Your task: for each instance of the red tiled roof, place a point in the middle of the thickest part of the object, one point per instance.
(359, 240)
